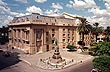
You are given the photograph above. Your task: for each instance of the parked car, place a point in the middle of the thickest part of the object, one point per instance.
(1, 50)
(95, 70)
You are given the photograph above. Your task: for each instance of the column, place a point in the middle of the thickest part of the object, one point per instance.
(23, 39)
(76, 36)
(16, 38)
(10, 37)
(32, 41)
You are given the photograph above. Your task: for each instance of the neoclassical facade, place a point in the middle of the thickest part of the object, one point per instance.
(35, 33)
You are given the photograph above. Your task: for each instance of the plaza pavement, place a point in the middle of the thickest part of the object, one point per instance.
(34, 60)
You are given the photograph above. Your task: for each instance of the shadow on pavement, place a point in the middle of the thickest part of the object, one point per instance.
(8, 59)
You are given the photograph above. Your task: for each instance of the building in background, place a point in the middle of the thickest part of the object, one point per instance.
(100, 38)
(35, 33)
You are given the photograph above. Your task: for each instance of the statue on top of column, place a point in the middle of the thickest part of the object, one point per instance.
(56, 45)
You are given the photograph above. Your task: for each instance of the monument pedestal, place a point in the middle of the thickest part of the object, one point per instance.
(56, 58)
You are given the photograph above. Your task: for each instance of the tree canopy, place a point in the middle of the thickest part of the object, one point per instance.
(102, 63)
(102, 48)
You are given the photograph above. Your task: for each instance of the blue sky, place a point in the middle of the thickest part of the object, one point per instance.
(93, 10)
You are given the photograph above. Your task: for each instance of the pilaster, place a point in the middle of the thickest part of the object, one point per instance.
(32, 41)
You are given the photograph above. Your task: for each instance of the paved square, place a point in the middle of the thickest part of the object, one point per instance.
(34, 60)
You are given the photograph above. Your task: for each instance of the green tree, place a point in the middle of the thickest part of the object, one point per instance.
(97, 30)
(84, 28)
(102, 48)
(102, 63)
(107, 33)
(4, 36)
(71, 47)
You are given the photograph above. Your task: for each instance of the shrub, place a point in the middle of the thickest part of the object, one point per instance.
(102, 63)
(93, 44)
(71, 47)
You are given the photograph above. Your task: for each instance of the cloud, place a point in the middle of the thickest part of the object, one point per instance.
(5, 19)
(40, 1)
(56, 6)
(69, 5)
(8, 19)
(47, 12)
(34, 9)
(100, 15)
(52, 12)
(6, 14)
(107, 7)
(103, 21)
(107, 1)
(22, 1)
(6, 10)
(79, 4)
(71, 2)
(2, 3)
(99, 12)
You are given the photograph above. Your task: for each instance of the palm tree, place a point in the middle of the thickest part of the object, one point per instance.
(107, 33)
(97, 30)
(84, 28)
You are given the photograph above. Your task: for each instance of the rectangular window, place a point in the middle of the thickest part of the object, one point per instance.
(63, 35)
(53, 47)
(52, 41)
(47, 40)
(68, 40)
(53, 35)
(68, 30)
(63, 40)
(47, 33)
(53, 30)
(27, 42)
(38, 34)
(63, 29)
(47, 47)
(27, 35)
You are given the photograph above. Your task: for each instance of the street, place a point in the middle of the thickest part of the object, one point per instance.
(19, 67)
(23, 67)
(82, 67)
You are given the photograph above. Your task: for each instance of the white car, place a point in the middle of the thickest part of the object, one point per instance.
(95, 70)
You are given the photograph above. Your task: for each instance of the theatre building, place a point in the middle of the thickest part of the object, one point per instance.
(36, 33)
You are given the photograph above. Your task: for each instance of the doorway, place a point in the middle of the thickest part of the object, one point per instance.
(47, 48)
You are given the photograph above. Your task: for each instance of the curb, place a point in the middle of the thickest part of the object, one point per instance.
(26, 61)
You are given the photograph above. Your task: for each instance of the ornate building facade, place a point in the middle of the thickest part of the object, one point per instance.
(35, 33)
